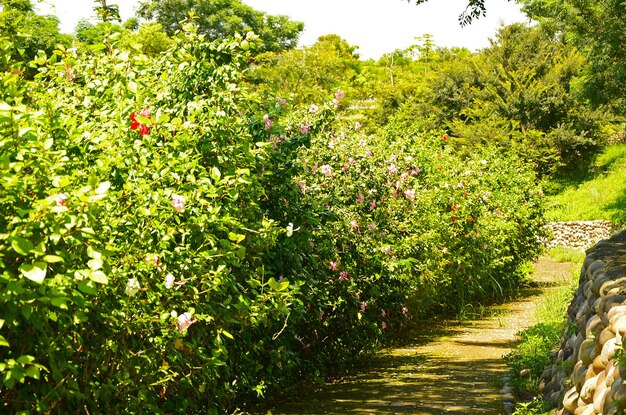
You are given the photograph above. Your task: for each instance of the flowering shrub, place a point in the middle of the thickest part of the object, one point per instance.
(172, 244)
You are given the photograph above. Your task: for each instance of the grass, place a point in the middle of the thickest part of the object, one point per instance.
(537, 342)
(599, 194)
(564, 254)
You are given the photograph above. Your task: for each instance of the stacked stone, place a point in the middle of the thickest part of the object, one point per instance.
(578, 234)
(585, 378)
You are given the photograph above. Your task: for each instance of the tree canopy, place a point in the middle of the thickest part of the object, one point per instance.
(218, 19)
(474, 10)
(598, 29)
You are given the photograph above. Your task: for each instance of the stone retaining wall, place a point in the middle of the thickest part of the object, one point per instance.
(585, 379)
(579, 234)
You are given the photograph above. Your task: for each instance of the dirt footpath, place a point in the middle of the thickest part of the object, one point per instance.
(445, 367)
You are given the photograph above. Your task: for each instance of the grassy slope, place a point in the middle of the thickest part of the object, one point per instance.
(600, 194)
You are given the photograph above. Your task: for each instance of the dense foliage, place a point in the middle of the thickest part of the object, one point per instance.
(597, 29)
(217, 19)
(173, 243)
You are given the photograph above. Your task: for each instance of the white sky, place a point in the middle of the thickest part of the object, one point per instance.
(375, 26)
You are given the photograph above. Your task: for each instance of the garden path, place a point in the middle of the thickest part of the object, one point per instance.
(444, 367)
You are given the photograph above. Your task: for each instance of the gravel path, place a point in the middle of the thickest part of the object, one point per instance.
(446, 367)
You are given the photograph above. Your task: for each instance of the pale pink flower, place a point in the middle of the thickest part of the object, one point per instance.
(373, 205)
(332, 266)
(281, 102)
(302, 186)
(184, 321)
(388, 250)
(351, 161)
(152, 259)
(268, 122)
(361, 198)
(313, 108)
(363, 306)
(383, 325)
(392, 169)
(369, 153)
(340, 94)
(60, 199)
(304, 129)
(405, 310)
(363, 143)
(326, 170)
(335, 103)
(486, 196)
(404, 175)
(415, 171)
(410, 194)
(383, 313)
(169, 281)
(371, 227)
(354, 224)
(357, 126)
(178, 202)
(343, 276)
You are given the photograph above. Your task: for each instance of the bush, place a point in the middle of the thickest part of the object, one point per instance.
(172, 244)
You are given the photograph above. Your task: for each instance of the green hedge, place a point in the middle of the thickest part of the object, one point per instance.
(170, 243)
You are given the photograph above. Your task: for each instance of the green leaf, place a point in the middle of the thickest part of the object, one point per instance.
(35, 272)
(25, 359)
(94, 264)
(33, 372)
(94, 253)
(215, 173)
(60, 302)
(99, 277)
(277, 286)
(60, 181)
(21, 245)
(87, 287)
(227, 334)
(27, 310)
(80, 317)
(52, 259)
(3, 342)
(236, 237)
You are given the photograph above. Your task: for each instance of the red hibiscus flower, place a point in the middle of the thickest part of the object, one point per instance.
(136, 124)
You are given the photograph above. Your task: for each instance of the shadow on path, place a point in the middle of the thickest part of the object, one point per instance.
(442, 367)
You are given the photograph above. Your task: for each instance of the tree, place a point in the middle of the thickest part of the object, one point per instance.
(526, 104)
(222, 18)
(598, 29)
(107, 12)
(475, 9)
(28, 31)
(307, 75)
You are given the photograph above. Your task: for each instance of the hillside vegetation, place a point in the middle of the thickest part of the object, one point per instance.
(600, 193)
